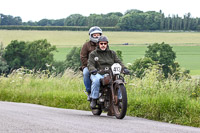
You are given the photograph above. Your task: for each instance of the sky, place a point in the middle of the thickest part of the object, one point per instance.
(35, 10)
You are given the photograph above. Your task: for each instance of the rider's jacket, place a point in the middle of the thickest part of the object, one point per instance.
(87, 48)
(101, 60)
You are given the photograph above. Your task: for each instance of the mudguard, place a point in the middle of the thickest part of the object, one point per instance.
(118, 81)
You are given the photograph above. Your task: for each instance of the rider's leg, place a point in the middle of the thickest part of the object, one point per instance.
(95, 85)
(86, 79)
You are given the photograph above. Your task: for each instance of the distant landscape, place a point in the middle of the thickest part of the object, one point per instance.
(131, 20)
(185, 44)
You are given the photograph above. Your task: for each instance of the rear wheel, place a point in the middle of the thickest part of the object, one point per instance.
(120, 103)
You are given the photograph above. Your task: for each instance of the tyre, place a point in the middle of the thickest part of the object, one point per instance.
(120, 105)
(96, 111)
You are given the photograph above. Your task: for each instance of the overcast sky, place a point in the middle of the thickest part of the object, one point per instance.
(36, 10)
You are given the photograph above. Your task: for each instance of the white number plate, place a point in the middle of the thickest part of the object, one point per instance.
(116, 68)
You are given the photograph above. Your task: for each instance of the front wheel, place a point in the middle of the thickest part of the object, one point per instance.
(120, 101)
(96, 111)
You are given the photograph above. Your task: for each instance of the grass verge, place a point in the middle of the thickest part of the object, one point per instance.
(169, 100)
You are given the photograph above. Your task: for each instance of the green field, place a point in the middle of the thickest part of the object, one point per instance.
(187, 56)
(185, 44)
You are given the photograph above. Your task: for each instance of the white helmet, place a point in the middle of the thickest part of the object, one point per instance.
(92, 30)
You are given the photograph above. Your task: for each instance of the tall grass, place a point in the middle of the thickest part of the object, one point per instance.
(168, 100)
(61, 91)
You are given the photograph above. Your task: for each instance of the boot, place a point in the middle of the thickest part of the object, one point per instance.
(93, 103)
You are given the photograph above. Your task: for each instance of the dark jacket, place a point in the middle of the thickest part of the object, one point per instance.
(87, 48)
(105, 59)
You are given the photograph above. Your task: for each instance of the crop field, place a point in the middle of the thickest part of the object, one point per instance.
(77, 38)
(185, 44)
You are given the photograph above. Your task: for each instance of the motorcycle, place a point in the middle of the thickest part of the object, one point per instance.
(112, 93)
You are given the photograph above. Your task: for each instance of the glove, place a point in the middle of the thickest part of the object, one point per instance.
(126, 71)
(94, 72)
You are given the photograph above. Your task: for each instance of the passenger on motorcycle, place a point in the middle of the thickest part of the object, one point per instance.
(88, 47)
(99, 60)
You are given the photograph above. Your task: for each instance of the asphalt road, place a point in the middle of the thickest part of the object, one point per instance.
(30, 118)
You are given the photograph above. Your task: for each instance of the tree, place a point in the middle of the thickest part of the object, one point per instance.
(119, 14)
(39, 54)
(0, 18)
(106, 20)
(163, 54)
(133, 11)
(140, 65)
(15, 54)
(32, 55)
(58, 22)
(138, 20)
(30, 23)
(73, 59)
(76, 20)
(95, 19)
(3, 63)
(10, 20)
(44, 22)
(132, 21)
(58, 67)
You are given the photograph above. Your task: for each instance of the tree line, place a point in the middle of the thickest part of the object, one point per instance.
(130, 21)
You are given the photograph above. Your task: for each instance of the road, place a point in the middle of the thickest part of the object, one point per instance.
(31, 118)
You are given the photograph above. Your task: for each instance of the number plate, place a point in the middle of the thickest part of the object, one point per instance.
(116, 68)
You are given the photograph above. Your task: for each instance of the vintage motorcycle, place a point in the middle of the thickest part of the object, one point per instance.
(112, 93)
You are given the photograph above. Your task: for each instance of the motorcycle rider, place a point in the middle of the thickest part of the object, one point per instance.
(88, 47)
(101, 59)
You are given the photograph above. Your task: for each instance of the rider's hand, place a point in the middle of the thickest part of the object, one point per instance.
(94, 72)
(126, 71)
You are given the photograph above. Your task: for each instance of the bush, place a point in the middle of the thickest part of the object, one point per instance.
(73, 59)
(39, 53)
(119, 54)
(3, 63)
(32, 55)
(52, 28)
(58, 67)
(140, 65)
(15, 54)
(3, 66)
(163, 54)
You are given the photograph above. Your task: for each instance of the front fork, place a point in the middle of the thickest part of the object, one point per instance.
(113, 93)
(115, 97)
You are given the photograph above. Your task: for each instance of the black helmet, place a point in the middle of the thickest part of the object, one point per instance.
(102, 39)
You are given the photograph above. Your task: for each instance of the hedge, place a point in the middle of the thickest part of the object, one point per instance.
(59, 28)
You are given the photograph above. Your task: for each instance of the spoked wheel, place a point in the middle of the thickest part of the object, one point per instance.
(120, 104)
(96, 111)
